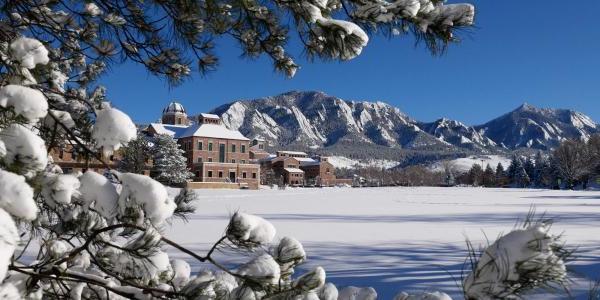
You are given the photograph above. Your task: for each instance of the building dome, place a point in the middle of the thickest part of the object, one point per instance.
(174, 107)
(174, 114)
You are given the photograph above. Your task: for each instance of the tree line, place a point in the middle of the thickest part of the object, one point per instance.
(573, 164)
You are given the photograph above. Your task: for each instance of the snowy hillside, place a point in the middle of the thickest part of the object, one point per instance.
(532, 127)
(464, 164)
(347, 163)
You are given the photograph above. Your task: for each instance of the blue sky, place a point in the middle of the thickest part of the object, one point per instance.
(546, 53)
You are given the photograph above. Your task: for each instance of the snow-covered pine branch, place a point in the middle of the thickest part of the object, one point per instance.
(178, 37)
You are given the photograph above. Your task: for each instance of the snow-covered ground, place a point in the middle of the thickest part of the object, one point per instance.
(397, 239)
(464, 164)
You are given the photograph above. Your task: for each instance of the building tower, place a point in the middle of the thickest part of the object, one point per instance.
(174, 114)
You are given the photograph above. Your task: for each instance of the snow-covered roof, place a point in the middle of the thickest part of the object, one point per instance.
(213, 131)
(292, 152)
(174, 107)
(268, 158)
(306, 161)
(172, 130)
(210, 116)
(293, 170)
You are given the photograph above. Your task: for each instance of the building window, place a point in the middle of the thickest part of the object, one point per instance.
(327, 171)
(221, 153)
(233, 148)
(197, 173)
(243, 161)
(209, 174)
(220, 174)
(243, 148)
(199, 145)
(253, 175)
(210, 146)
(199, 159)
(210, 159)
(291, 166)
(233, 161)
(260, 146)
(243, 174)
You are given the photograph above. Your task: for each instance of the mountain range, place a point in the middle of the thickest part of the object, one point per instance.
(321, 123)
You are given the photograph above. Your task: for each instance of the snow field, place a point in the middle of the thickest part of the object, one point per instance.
(395, 239)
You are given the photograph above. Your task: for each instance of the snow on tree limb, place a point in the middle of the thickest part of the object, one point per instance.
(112, 129)
(140, 191)
(249, 230)
(98, 192)
(25, 148)
(16, 196)
(9, 238)
(25, 101)
(29, 52)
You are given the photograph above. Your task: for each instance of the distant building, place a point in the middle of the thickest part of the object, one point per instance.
(215, 153)
(257, 150)
(297, 168)
(71, 158)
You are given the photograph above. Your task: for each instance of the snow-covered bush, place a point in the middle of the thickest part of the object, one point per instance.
(517, 262)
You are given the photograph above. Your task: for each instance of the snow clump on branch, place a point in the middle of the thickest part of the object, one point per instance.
(16, 196)
(98, 191)
(312, 280)
(25, 101)
(24, 147)
(112, 129)
(147, 193)
(9, 237)
(59, 188)
(29, 52)
(262, 269)
(248, 230)
(357, 293)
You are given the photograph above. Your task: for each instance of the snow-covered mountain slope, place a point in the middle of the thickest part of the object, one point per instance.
(458, 134)
(316, 120)
(532, 127)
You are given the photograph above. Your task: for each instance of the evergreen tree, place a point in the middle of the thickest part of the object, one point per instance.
(529, 166)
(521, 179)
(489, 176)
(449, 179)
(542, 174)
(512, 168)
(476, 175)
(135, 156)
(170, 165)
(500, 175)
